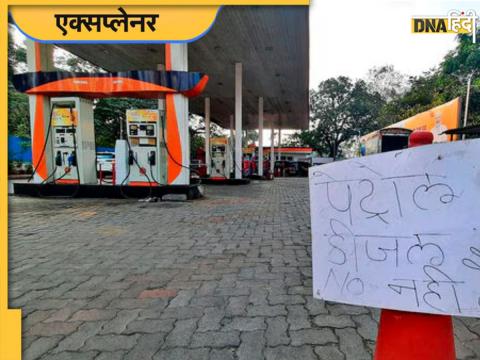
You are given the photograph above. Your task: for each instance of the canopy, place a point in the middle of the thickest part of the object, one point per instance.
(272, 43)
(136, 84)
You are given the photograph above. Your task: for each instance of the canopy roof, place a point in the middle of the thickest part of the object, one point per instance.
(138, 84)
(272, 43)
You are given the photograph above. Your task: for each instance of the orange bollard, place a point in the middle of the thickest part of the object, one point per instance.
(407, 335)
(414, 336)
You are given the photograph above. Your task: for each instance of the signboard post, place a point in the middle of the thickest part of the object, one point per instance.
(397, 231)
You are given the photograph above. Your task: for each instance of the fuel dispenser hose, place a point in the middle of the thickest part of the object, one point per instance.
(42, 154)
(49, 129)
(128, 173)
(171, 156)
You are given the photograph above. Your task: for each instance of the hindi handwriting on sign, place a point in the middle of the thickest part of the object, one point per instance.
(114, 22)
(399, 230)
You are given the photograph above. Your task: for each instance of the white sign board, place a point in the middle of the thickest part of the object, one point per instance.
(400, 230)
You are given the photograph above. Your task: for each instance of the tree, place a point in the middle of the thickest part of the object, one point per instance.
(18, 111)
(110, 112)
(441, 84)
(387, 81)
(197, 133)
(339, 110)
(68, 62)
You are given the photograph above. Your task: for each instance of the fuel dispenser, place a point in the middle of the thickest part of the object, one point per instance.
(221, 158)
(73, 141)
(146, 157)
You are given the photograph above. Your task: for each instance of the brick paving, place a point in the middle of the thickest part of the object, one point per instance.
(226, 277)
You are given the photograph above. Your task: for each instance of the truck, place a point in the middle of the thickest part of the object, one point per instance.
(383, 140)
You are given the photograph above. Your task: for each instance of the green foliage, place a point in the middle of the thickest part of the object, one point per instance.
(446, 82)
(196, 142)
(110, 112)
(18, 111)
(339, 110)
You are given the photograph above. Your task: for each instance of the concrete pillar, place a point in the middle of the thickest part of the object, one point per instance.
(279, 144)
(260, 136)
(231, 142)
(208, 161)
(238, 120)
(163, 156)
(177, 121)
(40, 58)
(272, 150)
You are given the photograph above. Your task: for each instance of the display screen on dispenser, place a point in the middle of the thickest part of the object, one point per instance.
(64, 117)
(142, 116)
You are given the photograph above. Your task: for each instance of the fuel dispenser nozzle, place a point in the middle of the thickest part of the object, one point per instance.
(58, 158)
(72, 159)
(151, 158)
(130, 157)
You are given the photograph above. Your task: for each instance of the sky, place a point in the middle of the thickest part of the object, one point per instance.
(349, 37)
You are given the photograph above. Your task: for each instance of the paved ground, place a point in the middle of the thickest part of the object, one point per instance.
(227, 277)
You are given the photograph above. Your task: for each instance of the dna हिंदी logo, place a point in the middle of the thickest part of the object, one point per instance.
(456, 22)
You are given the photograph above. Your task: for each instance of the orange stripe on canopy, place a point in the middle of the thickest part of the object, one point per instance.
(101, 87)
(198, 89)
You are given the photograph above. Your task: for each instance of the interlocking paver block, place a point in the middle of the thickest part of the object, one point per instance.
(246, 324)
(149, 326)
(216, 339)
(334, 321)
(220, 278)
(93, 315)
(54, 328)
(111, 342)
(298, 317)
(76, 340)
(290, 353)
(312, 336)
(182, 354)
(276, 333)
(157, 293)
(182, 333)
(211, 319)
(351, 344)
(251, 348)
(40, 346)
(119, 323)
(329, 352)
(147, 345)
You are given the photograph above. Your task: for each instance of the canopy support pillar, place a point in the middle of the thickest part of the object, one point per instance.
(177, 120)
(238, 121)
(40, 58)
(260, 136)
(208, 161)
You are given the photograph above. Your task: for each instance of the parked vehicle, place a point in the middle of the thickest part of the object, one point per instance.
(105, 162)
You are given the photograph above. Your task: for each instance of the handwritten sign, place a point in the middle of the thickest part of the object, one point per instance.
(400, 230)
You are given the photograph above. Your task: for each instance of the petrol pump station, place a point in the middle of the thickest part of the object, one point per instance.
(147, 151)
(154, 157)
(221, 158)
(73, 141)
